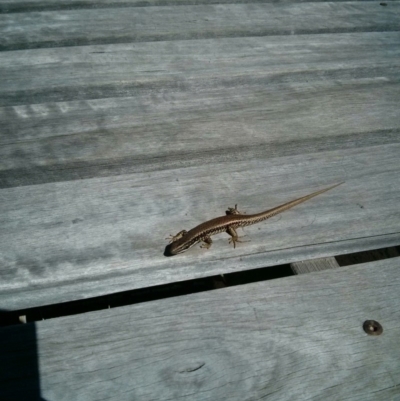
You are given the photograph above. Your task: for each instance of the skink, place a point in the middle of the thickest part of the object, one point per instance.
(202, 233)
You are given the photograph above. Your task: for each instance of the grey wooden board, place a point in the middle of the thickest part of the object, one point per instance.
(296, 338)
(128, 143)
(191, 103)
(75, 239)
(9, 6)
(313, 265)
(141, 24)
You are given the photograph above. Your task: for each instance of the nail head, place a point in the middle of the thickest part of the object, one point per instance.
(372, 327)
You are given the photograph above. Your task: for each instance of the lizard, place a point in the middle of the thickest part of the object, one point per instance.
(233, 219)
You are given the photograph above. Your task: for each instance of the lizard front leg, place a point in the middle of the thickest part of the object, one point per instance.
(207, 242)
(173, 238)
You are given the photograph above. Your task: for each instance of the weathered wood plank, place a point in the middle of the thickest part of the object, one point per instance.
(314, 265)
(122, 25)
(193, 103)
(96, 71)
(9, 6)
(295, 338)
(71, 240)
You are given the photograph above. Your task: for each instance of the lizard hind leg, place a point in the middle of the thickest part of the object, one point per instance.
(234, 237)
(233, 210)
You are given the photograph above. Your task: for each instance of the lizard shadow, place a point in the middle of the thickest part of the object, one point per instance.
(167, 251)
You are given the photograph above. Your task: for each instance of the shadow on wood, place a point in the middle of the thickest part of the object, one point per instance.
(19, 363)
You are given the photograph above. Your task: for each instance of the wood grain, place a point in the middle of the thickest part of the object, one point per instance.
(84, 27)
(313, 265)
(18, 6)
(296, 338)
(193, 103)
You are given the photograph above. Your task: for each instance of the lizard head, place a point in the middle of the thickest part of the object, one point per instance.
(180, 245)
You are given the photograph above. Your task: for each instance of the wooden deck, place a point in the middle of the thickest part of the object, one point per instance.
(294, 338)
(124, 122)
